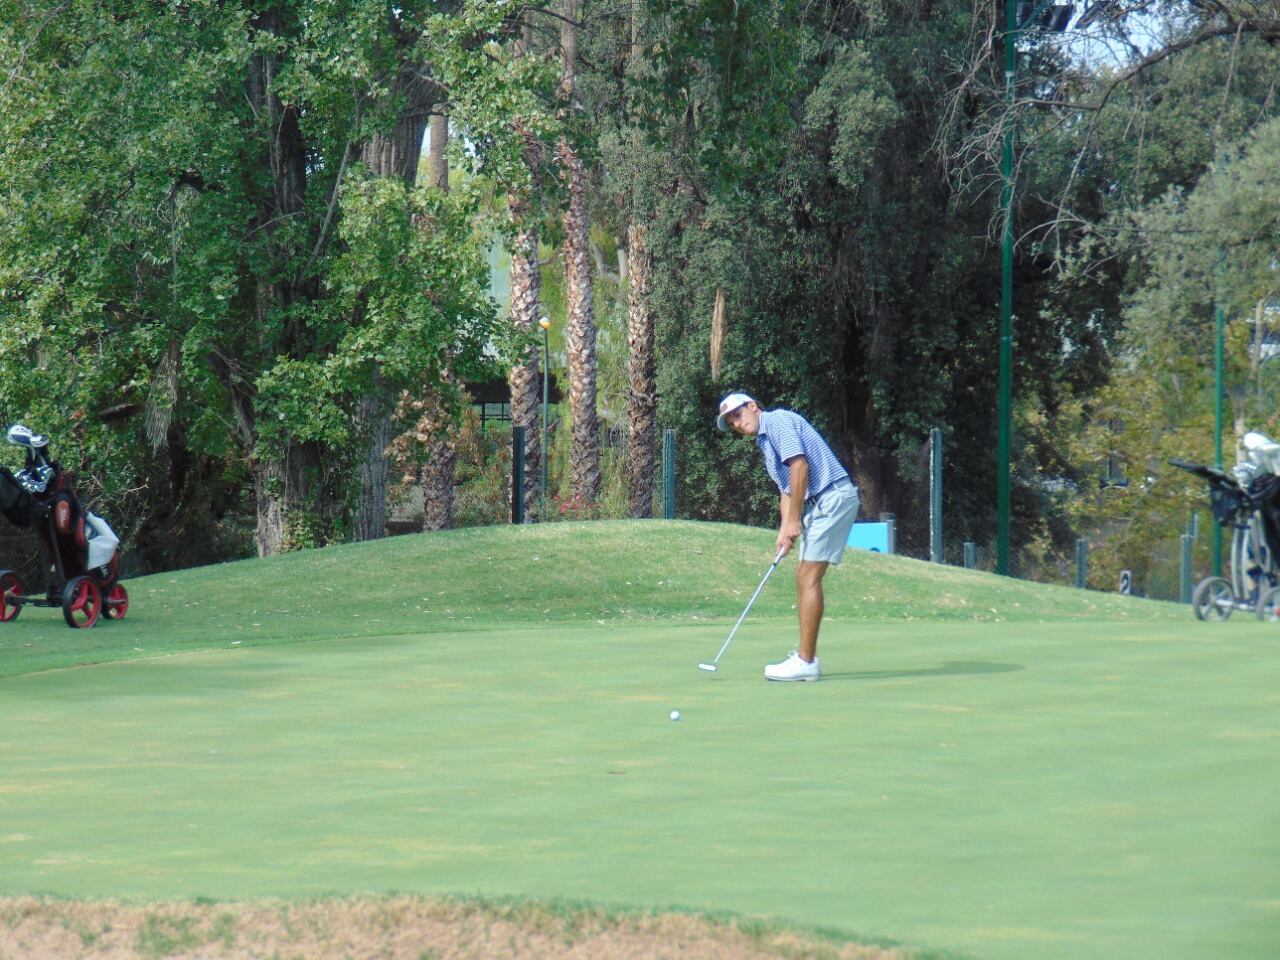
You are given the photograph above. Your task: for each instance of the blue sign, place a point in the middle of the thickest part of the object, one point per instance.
(870, 536)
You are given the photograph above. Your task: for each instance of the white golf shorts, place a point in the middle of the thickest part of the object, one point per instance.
(828, 518)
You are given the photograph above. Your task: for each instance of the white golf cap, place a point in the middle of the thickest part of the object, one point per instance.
(729, 404)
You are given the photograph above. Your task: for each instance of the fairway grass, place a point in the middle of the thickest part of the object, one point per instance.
(989, 769)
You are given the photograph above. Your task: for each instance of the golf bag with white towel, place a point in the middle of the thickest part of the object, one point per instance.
(1245, 500)
(79, 549)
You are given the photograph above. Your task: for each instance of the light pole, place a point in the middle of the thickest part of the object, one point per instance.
(545, 324)
(1004, 391)
(1048, 17)
(1219, 328)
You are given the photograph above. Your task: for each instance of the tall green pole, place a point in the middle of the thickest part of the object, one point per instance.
(935, 495)
(668, 474)
(544, 323)
(1217, 418)
(1006, 297)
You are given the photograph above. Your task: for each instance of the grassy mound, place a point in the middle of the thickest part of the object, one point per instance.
(497, 577)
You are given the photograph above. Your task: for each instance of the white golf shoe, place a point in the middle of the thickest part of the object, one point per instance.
(793, 668)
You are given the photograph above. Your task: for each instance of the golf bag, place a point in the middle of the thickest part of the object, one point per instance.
(1247, 502)
(79, 548)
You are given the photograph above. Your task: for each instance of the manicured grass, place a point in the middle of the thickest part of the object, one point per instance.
(504, 577)
(1069, 776)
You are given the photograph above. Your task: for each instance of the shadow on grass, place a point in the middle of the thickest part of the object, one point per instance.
(952, 668)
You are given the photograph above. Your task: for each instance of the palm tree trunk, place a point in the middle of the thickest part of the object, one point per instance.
(438, 429)
(523, 378)
(580, 340)
(526, 311)
(643, 398)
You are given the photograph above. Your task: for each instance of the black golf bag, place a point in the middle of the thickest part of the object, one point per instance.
(79, 548)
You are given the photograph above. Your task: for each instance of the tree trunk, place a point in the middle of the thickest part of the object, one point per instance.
(637, 29)
(437, 428)
(268, 486)
(370, 521)
(285, 157)
(437, 153)
(580, 340)
(526, 310)
(439, 469)
(643, 398)
(393, 153)
(524, 378)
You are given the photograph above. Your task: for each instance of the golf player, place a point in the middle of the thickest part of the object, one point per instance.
(819, 503)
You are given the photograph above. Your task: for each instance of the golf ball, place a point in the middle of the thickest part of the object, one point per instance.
(675, 714)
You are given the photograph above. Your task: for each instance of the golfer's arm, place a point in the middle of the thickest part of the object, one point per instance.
(793, 502)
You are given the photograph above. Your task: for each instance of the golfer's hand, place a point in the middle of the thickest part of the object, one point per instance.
(788, 535)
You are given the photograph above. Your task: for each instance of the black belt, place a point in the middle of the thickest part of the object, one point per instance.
(829, 486)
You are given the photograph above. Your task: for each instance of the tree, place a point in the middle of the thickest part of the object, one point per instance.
(524, 207)
(642, 400)
(1212, 245)
(223, 227)
(393, 153)
(580, 339)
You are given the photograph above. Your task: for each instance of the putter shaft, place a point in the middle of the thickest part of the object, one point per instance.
(773, 566)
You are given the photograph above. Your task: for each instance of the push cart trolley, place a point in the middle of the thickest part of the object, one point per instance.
(1246, 500)
(79, 549)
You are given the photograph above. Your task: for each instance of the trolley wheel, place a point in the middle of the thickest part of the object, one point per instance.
(117, 602)
(81, 603)
(1213, 599)
(63, 516)
(10, 586)
(1269, 606)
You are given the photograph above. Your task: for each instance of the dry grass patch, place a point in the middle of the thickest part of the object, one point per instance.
(393, 928)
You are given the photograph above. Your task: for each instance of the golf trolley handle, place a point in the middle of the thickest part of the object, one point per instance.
(1205, 472)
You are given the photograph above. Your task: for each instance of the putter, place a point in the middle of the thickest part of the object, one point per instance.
(711, 667)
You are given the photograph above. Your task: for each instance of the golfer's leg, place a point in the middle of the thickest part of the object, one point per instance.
(809, 604)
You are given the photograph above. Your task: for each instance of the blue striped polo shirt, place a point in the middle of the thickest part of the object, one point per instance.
(784, 434)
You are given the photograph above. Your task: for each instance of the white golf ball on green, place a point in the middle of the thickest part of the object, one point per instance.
(675, 714)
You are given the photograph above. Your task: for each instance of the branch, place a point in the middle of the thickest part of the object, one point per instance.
(333, 191)
(1264, 28)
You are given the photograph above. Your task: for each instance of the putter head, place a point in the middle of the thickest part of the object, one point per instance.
(709, 667)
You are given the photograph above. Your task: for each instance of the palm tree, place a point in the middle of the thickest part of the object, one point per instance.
(526, 308)
(642, 401)
(580, 339)
(643, 397)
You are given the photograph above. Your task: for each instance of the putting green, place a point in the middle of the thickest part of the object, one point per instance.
(999, 790)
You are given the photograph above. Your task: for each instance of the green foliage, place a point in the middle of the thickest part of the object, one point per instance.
(854, 291)
(482, 495)
(1213, 245)
(208, 279)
